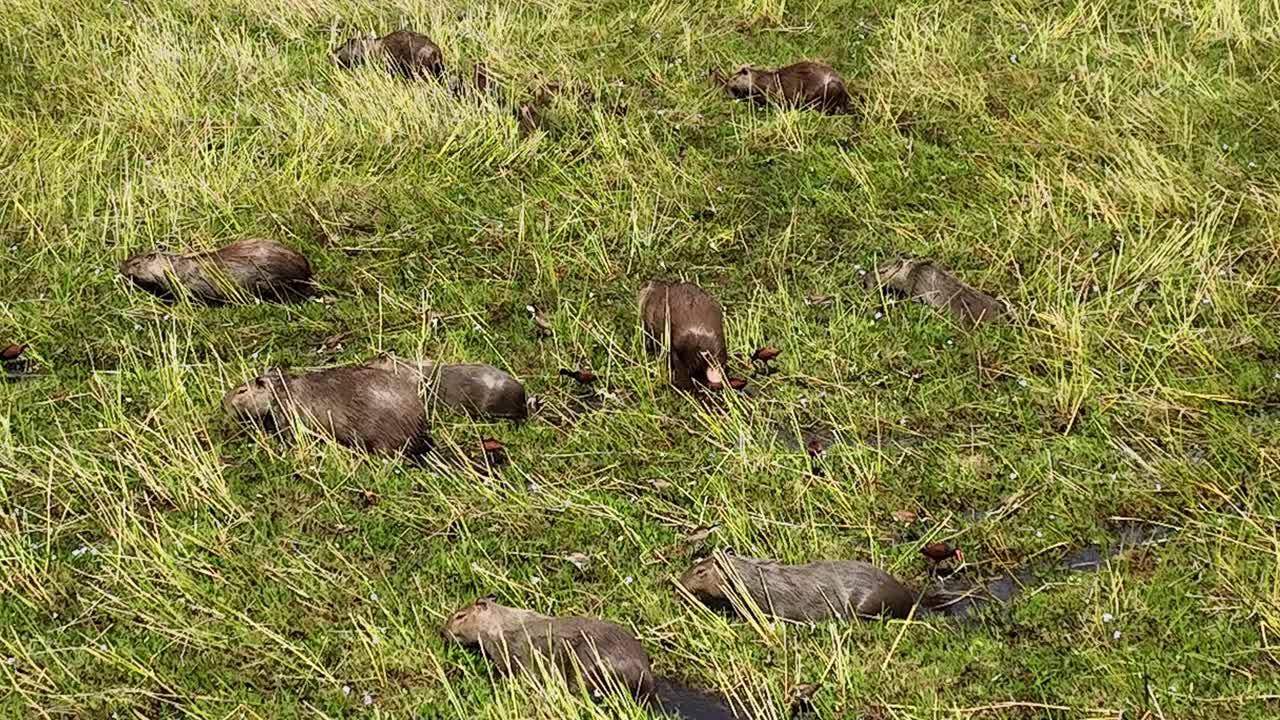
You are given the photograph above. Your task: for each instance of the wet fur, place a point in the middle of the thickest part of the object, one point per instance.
(262, 268)
(923, 281)
(696, 326)
(593, 655)
(804, 84)
(824, 590)
(409, 54)
(360, 407)
(474, 389)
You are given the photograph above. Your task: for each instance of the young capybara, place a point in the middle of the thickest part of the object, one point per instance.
(473, 389)
(593, 655)
(824, 590)
(693, 322)
(804, 84)
(925, 282)
(360, 407)
(407, 53)
(260, 268)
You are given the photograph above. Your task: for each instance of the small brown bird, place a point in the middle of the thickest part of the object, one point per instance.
(762, 357)
(800, 700)
(12, 352)
(765, 354)
(940, 552)
(495, 453)
(582, 377)
(539, 319)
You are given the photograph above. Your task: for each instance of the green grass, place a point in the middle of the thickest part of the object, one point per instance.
(1109, 168)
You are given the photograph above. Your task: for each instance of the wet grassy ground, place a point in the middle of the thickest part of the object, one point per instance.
(1106, 168)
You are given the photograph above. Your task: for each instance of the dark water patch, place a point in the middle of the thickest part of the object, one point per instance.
(564, 410)
(958, 596)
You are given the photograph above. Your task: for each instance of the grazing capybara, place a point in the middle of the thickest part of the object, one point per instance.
(824, 590)
(595, 655)
(407, 53)
(804, 84)
(474, 389)
(592, 655)
(258, 268)
(360, 407)
(693, 323)
(925, 282)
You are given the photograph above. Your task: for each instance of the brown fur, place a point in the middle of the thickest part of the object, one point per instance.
(804, 84)
(360, 407)
(824, 590)
(696, 325)
(473, 389)
(409, 54)
(263, 268)
(923, 281)
(593, 655)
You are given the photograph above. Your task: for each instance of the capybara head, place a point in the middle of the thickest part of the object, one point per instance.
(256, 398)
(353, 52)
(468, 624)
(704, 580)
(743, 84)
(149, 271)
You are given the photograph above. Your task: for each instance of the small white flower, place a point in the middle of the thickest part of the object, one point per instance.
(719, 188)
(1039, 534)
(346, 690)
(1115, 635)
(1206, 301)
(1252, 164)
(1159, 486)
(1108, 617)
(475, 326)
(862, 273)
(1113, 476)
(368, 699)
(535, 580)
(137, 327)
(14, 249)
(1013, 475)
(879, 315)
(10, 661)
(102, 647)
(1022, 382)
(373, 597)
(374, 639)
(903, 421)
(1014, 58)
(534, 487)
(1225, 147)
(950, 343)
(627, 580)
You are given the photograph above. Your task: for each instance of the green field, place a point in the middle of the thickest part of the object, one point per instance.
(1107, 168)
